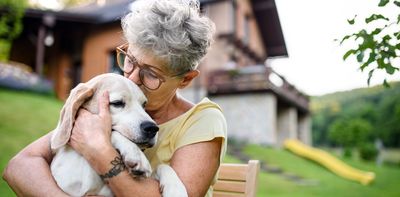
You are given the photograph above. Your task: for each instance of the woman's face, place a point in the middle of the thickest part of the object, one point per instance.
(165, 91)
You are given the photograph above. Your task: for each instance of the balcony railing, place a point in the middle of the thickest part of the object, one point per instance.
(253, 79)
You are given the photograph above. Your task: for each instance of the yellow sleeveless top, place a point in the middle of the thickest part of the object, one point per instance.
(203, 122)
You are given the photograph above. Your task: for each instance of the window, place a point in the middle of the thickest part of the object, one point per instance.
(113, 65)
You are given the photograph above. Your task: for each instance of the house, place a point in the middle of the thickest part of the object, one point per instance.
(73, 45)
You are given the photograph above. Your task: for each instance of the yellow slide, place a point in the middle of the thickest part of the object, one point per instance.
(329, 161)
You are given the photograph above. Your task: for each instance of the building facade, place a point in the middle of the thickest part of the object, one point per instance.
(74, 45)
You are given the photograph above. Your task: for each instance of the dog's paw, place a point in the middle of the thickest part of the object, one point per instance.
(173, 190)
(137, 166)
(134, 159)
(170, 184)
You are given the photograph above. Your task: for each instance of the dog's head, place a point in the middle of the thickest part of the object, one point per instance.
(126, 107)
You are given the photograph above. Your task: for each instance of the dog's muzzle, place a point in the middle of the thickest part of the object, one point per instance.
(149, 129)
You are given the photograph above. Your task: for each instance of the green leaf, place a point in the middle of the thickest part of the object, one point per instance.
(398, 46)
(374, 17)
(397, 3)
(390, 69)
(348, 53)
(381, 63)
(376, 31)
(397, 35)
(383, 3)
(371, 58)
(360, 56)
(352, 21)
(370, 73)
(398, 19)
(344, 38)
(386, 84)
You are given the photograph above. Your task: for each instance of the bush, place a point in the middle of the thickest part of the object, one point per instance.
(347, 152)
(368, 152)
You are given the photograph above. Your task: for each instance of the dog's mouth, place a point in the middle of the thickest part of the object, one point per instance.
(142, 144)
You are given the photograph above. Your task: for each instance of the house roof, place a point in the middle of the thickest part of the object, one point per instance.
(267, 17)
(265, 13)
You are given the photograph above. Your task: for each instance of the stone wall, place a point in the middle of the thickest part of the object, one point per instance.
(250, 117)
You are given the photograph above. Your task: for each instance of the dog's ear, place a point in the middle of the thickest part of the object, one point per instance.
(77, 97)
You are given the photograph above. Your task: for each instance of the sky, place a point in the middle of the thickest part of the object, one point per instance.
(315, 65)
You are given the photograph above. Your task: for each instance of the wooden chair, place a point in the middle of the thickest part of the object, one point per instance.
(237, 180)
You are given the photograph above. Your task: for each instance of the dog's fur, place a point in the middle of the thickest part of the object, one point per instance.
(73, 173)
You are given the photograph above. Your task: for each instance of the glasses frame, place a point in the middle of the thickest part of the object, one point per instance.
(161, 77)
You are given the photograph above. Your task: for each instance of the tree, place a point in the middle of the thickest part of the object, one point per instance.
(350, 133)
(379, 48)
(388, 125)
(11, 13)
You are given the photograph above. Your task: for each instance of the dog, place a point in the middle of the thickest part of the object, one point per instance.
(132, 131)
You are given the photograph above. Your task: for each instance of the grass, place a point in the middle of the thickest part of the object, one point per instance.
(25, 117)
(328, 184)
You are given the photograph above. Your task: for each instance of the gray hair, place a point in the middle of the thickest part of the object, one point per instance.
(173, 30)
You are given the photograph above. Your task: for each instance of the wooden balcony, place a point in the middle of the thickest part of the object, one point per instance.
(256, 79)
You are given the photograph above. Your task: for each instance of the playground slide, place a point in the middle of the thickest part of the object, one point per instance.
(329, 161)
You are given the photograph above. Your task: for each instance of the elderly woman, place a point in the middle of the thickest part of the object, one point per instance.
(166, 39)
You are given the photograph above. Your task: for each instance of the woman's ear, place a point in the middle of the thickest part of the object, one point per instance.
(188, 77)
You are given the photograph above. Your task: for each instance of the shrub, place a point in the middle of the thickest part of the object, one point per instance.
(368, 151)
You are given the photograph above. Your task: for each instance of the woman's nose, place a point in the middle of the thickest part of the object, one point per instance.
(134, 77)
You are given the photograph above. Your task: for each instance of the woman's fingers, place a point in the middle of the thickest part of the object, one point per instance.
(104, 110)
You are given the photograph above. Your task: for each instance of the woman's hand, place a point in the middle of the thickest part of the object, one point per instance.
(91, 134)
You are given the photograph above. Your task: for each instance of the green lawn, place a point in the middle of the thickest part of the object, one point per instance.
(25, 117)
(328, 184)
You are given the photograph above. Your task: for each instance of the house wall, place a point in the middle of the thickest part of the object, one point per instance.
(63, 81)
(250, 117)
(287, 124)
(221, 14)
(227, 21)
(244, 12)
(98, 46)
(304, 128)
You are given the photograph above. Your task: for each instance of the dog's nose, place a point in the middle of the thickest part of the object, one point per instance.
(149, 129)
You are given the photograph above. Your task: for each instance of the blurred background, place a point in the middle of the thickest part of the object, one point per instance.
(324, 73)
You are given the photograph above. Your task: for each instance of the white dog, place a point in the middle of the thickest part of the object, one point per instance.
(132, 130)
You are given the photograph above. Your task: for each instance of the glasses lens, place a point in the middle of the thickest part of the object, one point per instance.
(124, 62)
(149, 79)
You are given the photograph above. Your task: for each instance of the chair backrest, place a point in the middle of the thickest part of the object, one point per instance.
(236, 180)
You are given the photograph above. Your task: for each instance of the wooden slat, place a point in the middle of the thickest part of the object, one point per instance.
(233, 172)
(252, 177)
(236, 180)
(233, 186)
(227, 194)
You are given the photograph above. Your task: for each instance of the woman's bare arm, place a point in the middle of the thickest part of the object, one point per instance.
(28, 173)
(197, 164)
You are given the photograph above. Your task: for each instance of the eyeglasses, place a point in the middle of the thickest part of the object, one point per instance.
(149, 75)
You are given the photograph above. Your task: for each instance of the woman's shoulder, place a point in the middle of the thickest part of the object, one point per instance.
(207, 107)
(202, 111)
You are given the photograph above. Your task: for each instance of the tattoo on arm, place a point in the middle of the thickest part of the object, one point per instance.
(118, 166)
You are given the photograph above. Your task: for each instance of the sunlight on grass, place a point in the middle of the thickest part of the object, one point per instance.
(328, 184)
(24, 117)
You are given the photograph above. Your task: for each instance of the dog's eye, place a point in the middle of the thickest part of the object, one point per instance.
(144, 104)
(118, 103)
